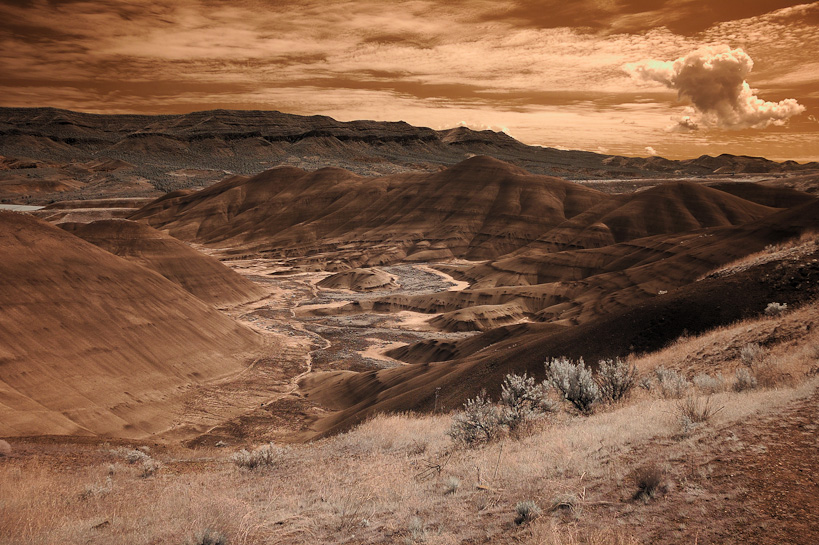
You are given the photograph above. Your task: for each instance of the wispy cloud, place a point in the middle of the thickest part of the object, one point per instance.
(525, 65)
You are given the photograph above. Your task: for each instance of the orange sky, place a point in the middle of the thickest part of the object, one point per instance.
(678, 78)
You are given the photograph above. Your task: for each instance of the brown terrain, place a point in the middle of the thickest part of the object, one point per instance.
(49, 155)
(346, 315)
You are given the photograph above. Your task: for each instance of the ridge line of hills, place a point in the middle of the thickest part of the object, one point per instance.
(48, 153)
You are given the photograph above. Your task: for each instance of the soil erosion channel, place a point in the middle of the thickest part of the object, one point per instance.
(309, 337)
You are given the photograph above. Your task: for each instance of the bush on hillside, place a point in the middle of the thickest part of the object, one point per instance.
(479, 422)
(616, 378)
(268, 455)
(523, 399)
(575, 382)
(775, 309)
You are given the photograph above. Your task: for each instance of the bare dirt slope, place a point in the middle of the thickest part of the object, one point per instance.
(479, 208)
(95, 344)
(201, 275)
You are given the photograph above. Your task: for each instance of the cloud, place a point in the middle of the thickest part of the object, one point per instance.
(651, 151)
(713, 79)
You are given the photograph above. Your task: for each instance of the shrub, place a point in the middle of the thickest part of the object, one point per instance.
(209, 537)
(649, 480)
(616, 378)
(264, 456)
(575, 382)
(775, 309)
(751, 354)
(149, 468)
(527, 511)
(709, 384)
(523, 399)
(669, 382)
(479, 422)
(745, 380)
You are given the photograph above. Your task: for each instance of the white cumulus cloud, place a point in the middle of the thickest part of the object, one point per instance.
(650, 150)
(713, 79)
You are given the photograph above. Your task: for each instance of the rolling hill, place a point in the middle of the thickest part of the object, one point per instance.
(197, 273)
(94, 344)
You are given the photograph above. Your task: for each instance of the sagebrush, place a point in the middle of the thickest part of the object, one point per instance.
(575, 382)
(616, 378)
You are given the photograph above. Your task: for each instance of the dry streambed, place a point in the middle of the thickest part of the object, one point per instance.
(304, 341)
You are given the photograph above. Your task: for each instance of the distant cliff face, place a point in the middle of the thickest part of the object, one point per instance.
(49, 154)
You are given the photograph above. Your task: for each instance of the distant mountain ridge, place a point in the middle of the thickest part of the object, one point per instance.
(47, 151)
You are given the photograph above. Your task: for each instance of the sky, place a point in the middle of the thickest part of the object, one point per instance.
(675, 78)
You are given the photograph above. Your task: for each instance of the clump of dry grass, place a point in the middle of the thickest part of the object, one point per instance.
(567, 502)
(696, 410)
(526, 512)
(209, 536)
(451, 484)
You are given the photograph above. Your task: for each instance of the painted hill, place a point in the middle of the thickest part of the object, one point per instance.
(91, 343)
(359, 280)
(641, 327)
(201, 275)
(477, 209)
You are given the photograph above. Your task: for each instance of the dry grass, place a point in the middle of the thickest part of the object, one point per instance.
(788, 347)
(370, 483)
